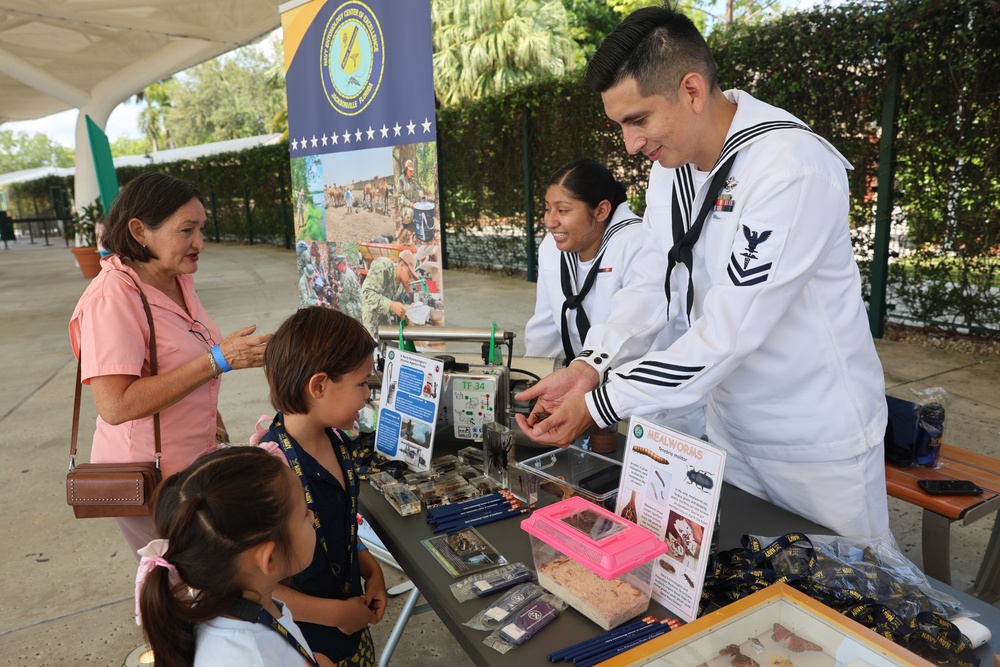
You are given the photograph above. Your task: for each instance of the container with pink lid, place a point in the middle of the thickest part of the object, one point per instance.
(595, 560)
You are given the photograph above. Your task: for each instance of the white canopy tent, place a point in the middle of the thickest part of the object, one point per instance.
(92, 55)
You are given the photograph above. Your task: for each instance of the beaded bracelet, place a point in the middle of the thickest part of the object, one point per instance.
(215, 366)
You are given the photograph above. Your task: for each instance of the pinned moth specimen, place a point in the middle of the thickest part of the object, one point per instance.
(795, 644)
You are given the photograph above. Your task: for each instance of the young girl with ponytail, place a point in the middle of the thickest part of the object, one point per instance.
(234, 523)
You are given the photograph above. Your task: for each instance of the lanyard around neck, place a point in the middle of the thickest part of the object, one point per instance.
(251, 612)
(293, 462)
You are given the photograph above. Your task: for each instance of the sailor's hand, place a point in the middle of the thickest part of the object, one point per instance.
(552, 390)
(562, 427)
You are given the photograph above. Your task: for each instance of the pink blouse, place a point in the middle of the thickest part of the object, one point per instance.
(110, 326)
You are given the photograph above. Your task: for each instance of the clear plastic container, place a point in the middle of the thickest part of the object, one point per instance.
(593, 559)
(565, 473)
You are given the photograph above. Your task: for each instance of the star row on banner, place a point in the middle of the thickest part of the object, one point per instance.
(360, 135)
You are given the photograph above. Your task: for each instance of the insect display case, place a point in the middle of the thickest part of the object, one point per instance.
(563, 473)
(774, 627)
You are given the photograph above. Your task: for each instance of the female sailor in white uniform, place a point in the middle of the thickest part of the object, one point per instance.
(595, 247)
(583, 260)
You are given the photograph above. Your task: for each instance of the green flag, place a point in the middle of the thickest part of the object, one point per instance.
(107, 179)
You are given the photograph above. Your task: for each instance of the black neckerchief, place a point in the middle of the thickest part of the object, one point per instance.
(575, 301)
(683, 249)
(567, 274)
(251, 612)
(684, 241)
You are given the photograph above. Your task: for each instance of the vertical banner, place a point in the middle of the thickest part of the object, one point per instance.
(362, 138)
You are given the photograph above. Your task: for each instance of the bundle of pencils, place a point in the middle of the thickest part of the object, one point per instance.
(604, 646)
(475, 512)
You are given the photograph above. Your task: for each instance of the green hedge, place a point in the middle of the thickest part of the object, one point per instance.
(247, 194)
(828, 66)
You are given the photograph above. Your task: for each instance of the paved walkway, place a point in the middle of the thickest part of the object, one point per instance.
(68, 582)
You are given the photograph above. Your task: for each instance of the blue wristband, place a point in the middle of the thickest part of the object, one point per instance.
(221, 360)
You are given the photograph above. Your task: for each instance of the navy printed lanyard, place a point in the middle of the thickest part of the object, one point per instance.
(255, 613)
(293, 461)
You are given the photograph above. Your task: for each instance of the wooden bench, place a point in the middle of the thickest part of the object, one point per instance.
(942, 511)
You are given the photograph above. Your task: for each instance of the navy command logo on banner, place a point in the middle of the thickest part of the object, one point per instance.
(352, 58)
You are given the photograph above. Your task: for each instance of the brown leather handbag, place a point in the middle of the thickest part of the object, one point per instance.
(113, 489)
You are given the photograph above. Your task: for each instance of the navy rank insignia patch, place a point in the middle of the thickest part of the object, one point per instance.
(752, 258)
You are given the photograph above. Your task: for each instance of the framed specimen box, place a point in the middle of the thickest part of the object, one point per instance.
(775, 627)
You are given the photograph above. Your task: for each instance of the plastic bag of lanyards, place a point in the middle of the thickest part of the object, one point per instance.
(877, 570)
(872, 584)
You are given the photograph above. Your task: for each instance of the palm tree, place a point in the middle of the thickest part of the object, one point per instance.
(279, 122)
(487, 46)
(152, 119)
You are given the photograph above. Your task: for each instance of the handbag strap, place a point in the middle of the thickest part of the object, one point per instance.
(152, 371)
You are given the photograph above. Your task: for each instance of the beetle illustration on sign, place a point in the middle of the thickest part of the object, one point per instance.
(700, 478)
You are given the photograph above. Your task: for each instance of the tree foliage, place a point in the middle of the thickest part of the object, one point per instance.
(152, 118)
(484, 47)
(22, 150)
(230, 97)
(589, 22)
(131, 146)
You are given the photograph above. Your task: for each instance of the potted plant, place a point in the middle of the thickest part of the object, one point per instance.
(82, 227)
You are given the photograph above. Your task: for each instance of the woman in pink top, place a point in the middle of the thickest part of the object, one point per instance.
(154, 232)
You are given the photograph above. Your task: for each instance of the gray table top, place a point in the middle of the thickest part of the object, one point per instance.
(741, 513)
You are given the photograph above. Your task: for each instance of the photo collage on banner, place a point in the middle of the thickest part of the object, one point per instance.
(362, 138)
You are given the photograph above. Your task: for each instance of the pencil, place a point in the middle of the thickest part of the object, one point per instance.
(478, 509)
(490, 518)
(613, 651)
(570, 651)
(466, 505)
(612, 638)
(637, 636)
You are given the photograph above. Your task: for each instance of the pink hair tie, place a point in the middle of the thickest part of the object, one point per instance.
(151, 558)
(260, 430)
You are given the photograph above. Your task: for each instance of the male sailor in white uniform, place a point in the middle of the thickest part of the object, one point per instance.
(764, 295)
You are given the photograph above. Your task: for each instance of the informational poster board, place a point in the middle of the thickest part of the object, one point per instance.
(408, 407)
(363, 144)
(670, 484)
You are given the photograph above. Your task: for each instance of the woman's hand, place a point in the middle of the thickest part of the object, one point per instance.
(242, 350)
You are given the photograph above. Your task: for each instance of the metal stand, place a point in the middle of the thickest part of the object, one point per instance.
(410, 607)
